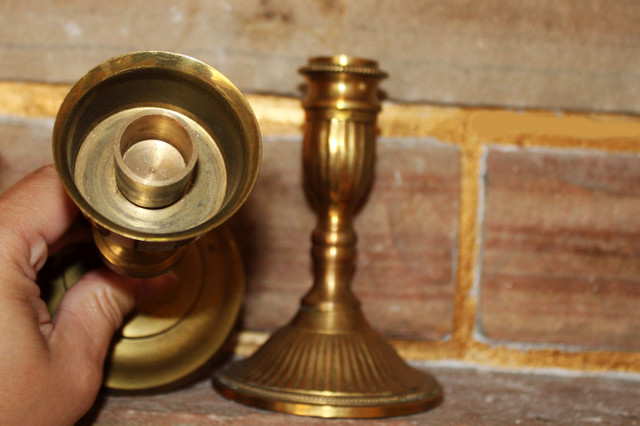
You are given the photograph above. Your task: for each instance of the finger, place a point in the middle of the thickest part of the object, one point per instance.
(79, 232)
(90, 313)
(34, 213)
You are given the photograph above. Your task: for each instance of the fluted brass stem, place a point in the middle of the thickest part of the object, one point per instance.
(328, 361)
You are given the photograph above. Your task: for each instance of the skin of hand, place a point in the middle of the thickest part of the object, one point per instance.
(51, 368)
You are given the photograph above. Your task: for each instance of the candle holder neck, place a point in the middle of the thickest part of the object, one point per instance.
(333, 251)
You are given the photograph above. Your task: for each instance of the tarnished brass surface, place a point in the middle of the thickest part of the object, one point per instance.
(328, 361)
(157, 150)
(157, 102)
(175, 333)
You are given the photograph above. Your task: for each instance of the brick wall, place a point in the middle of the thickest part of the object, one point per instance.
(492, 235)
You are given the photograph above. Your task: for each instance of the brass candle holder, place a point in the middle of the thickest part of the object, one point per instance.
(328, 361)
(158, 150)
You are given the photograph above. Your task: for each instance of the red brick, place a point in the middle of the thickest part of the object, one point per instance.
(561, 253)
(407, 235)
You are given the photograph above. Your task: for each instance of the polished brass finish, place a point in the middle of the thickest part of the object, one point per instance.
(173, 334)
(157, 150)
(155, 156)
(328, 361)
(176, 101)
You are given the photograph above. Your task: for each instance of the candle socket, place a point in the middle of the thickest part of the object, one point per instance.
(155, 156)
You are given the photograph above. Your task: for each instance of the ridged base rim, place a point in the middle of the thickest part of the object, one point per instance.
(316, 404)
(307, 370)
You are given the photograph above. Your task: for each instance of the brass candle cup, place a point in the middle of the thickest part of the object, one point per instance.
(158, 150)
(328, 361)
(143, 223)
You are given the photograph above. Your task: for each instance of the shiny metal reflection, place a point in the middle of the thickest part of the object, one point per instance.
(158, 150)
(328, 361)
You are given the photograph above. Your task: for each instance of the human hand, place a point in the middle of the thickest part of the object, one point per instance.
(51, 369)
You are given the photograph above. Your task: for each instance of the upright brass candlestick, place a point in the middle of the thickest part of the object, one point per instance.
(328, 361)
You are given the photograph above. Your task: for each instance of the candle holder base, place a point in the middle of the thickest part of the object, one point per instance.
(173, 335)
(308, 369)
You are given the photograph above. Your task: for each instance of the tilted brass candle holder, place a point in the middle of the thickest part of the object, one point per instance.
(158, 150)
(328, 361)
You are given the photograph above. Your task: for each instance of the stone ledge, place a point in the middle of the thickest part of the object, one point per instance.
(472, 396)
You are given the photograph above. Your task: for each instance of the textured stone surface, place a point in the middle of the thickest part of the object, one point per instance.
(25, 145)
(561, 254)
(406, 230)
(472, 397)
(572, 54)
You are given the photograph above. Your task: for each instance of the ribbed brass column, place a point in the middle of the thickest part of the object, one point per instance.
(328, 361)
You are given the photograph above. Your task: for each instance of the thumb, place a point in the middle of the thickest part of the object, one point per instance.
(89, 314)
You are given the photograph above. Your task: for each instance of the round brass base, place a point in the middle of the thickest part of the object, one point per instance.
(309, 372)
(172, 335)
